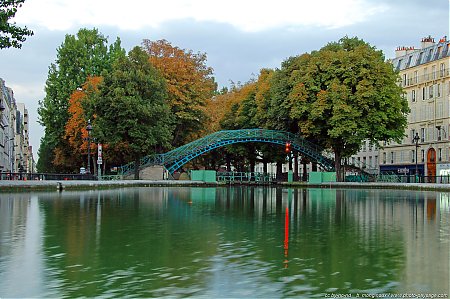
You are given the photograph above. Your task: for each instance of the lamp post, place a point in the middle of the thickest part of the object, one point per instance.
(89, 129)
(416, 140)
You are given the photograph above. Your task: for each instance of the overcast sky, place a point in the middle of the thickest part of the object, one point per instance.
(239, 37)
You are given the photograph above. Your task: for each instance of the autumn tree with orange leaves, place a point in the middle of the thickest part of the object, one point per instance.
(189, 84)
(74, 154)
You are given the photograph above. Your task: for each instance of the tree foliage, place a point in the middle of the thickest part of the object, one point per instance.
(189, 85)
(131, 110)
(76, 134)
(79, 57)
(343, 94)
(11, 35)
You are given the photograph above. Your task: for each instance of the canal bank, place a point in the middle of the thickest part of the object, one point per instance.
(28, 186)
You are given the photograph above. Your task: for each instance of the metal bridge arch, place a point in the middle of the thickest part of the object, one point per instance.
(176, 158)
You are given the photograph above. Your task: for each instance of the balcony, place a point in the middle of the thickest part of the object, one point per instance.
(425, 78)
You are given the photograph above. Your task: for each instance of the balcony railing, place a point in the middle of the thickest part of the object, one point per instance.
(425, 78)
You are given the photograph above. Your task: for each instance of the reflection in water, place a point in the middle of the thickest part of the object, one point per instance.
(216, 242)
(286, 238)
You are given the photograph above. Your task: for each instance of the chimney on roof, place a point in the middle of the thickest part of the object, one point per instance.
(427, 42)
(402, 51)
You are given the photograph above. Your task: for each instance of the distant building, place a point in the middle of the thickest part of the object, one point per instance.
(15, 152)
(425, 78)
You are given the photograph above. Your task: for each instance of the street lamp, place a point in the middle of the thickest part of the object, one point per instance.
(89, 129)
(416, 140)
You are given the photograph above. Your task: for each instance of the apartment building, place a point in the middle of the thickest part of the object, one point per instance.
(15, 150)
(425, 78)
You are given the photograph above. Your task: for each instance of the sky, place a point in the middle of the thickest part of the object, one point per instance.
(239, 37)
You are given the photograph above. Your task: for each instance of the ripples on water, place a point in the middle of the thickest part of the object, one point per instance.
(225, 242)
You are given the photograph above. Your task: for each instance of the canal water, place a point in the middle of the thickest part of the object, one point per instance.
(224, 242)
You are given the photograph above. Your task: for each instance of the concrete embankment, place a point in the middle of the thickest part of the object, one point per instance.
(373, 185)
(30, 186)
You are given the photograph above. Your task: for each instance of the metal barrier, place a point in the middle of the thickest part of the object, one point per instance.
(22, 176)
(394, 178)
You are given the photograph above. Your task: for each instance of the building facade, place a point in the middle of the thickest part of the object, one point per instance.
(15, 152)
(425, 78)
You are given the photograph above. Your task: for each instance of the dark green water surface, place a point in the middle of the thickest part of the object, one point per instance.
(224, 242)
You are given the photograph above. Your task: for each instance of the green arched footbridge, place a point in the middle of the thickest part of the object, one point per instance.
(176, 158)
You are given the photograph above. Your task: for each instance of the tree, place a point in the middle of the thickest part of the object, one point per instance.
(11, 35)
(343, 94)
(79, 57)
(189, 84)
(131, 110)
(75, 130)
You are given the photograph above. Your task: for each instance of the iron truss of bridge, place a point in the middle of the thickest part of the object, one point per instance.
(174, 159)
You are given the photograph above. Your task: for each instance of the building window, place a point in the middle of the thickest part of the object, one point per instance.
(413, 133)
(413, 95)
(370, 161)
(424, 93)
(415, 77)
(384, 158)
(430, 91)
(420, 58)
(422, 154)
(422, 134)
(430, 53)
(433, 72)
(442, 70)
(392, 157)
(413, 156)
(409, 61)
(439, 109)
(439, 154)
(438, 90)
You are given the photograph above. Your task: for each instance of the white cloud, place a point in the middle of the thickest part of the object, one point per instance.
(248, 15)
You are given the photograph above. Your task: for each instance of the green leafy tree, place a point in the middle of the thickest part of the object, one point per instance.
(343, 94)
(131, 111)
(79, 57)
(11, 35)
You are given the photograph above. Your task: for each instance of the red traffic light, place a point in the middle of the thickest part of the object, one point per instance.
(288, 147)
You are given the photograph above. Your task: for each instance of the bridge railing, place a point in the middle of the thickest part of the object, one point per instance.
(176, 157)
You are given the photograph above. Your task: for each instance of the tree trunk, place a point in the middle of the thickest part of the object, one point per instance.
(305, 170)
(137, 165)
(279, 170)
(337, 166)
